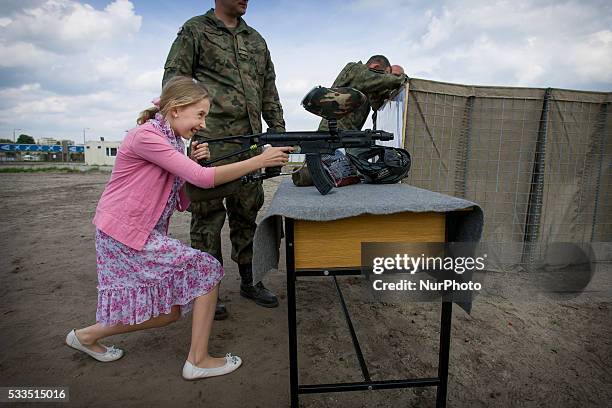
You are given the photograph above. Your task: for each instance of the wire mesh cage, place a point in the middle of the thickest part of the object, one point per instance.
(538, 161)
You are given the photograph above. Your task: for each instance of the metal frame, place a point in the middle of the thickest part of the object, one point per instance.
(536, 194)
(441, 381)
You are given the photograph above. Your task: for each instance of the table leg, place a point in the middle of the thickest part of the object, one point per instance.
(445, 336)
(291, 314)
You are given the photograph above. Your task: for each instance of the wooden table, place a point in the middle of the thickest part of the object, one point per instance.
(332, 248)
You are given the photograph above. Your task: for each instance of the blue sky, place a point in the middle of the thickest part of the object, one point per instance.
(66, 65)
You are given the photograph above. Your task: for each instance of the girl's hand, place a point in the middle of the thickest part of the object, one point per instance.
(199, 151)
(275, 156)
(271, 157)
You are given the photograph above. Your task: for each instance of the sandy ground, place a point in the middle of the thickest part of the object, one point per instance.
(505, 354)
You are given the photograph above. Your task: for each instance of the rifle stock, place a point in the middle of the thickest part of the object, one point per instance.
(197, 194)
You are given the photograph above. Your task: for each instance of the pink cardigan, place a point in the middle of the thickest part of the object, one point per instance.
(140, 185)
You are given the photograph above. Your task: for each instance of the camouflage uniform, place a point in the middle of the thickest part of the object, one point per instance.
(235, 66)
(376, 85)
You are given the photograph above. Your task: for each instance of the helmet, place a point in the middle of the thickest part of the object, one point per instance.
(382, 164)
(333, 103)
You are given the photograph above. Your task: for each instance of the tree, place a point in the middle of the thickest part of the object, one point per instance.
(6, 141)
(25, 139)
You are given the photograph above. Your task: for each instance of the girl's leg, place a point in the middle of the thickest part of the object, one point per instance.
(203, 314)
(89, 336)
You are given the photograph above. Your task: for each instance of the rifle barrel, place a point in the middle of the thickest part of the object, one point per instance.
(306, 136)
(325, 136)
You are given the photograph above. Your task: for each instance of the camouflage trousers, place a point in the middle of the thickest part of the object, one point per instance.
(241, 208)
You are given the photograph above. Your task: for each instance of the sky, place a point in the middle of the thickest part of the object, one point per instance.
(69, 68)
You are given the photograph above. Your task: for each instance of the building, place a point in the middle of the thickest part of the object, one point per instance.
(101, 153)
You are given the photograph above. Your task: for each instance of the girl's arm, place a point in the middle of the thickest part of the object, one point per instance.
(271, 157)
(153, 148)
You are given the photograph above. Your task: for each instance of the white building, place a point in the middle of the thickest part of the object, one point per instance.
(101, 153)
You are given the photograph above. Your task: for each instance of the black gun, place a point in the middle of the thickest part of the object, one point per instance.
(311, 144)
(329, 103)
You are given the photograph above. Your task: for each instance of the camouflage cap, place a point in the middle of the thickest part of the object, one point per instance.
(333, 103)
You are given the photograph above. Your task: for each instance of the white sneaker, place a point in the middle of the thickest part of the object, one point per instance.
(111, 354)
(192, 372)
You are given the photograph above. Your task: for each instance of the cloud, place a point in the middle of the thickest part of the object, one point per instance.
(147, 81)
(530, 43)
(104, 112)
(67, 65)
(524, 43)
(596, 52)
(8, 7)
(23, 54)
(438, 30)
(66, 26)
(68, 46)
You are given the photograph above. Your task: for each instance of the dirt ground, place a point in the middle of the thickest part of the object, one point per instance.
(505, 354)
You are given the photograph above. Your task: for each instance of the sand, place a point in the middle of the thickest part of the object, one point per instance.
(505, 354)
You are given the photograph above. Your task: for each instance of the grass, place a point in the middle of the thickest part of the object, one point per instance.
(46, 169)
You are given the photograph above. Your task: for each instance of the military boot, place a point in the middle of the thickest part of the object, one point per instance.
(220, 310)
(258, 293)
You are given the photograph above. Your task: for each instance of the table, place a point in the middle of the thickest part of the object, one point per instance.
(333, 227)
(337, 244)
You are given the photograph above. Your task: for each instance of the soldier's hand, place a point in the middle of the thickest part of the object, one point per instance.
(199, 151)
(275, 156)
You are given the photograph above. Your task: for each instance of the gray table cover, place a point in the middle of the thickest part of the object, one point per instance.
(305, 203)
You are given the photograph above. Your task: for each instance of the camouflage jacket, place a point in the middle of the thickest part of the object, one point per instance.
(376, 85)
(236, 67)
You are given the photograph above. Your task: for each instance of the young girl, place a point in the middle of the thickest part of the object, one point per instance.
(145, 278)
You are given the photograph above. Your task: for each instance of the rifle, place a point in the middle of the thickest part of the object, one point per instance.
(328, 103)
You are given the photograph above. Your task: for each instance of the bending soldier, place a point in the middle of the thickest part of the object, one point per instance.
(375, 79)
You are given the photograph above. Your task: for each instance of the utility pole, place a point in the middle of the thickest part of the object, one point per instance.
(14, 139)
(84, 129)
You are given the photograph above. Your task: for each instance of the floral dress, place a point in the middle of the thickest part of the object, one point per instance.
(134, 286)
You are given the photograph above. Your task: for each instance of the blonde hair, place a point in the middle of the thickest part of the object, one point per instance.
(178, 91)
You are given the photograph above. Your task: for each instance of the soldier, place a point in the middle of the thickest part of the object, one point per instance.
(375, 80)
(233, 61)
(397, 70)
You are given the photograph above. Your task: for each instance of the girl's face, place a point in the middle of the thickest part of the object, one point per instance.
(187, 120)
